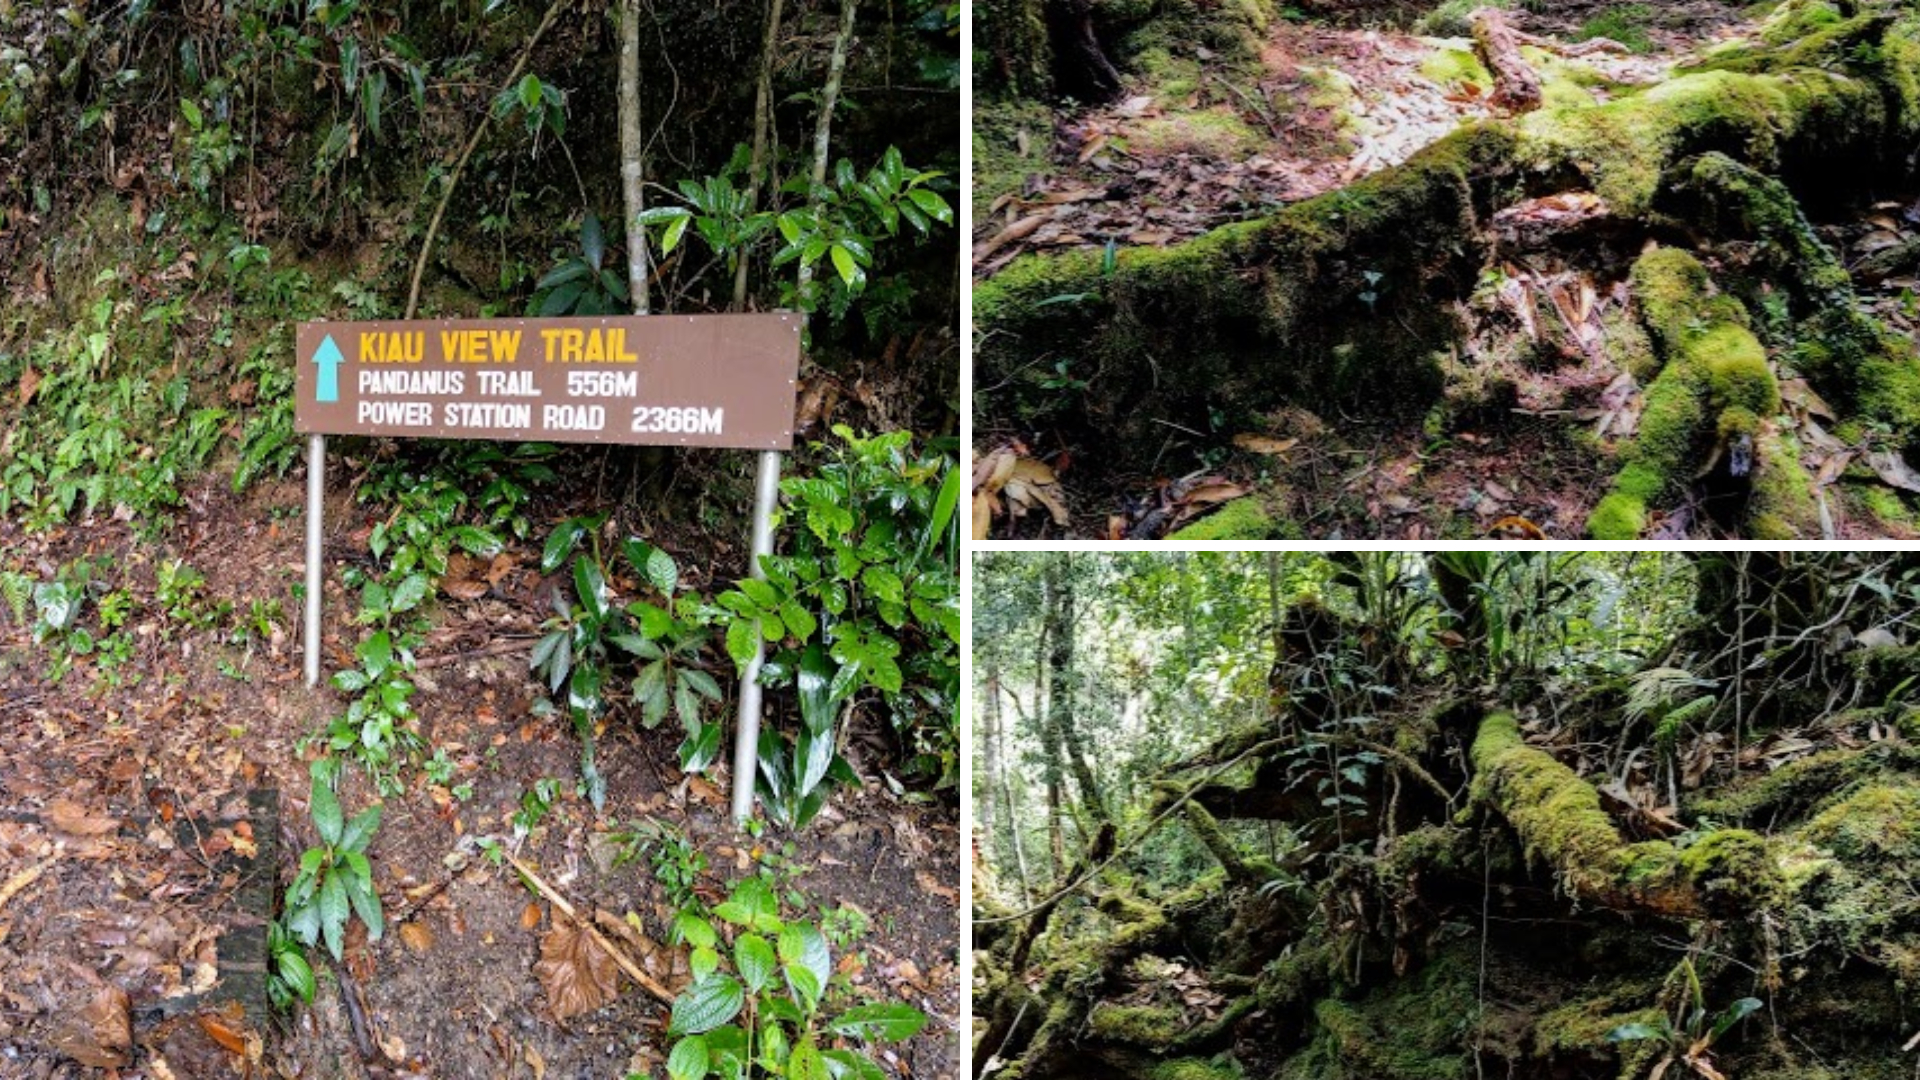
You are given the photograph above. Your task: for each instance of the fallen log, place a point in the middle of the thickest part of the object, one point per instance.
(1516, 86)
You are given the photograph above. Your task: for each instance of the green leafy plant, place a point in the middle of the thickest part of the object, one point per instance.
(1687, 1037)
(755, 1006)
(377, 728)
(583, 284)
(677, 863)
(591, 631)
(335, 880)
(292, 976)
(869, 597)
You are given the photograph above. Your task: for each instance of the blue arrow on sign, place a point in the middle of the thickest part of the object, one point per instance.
(328, 357)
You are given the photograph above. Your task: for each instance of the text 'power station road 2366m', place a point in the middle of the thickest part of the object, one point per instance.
(671, 380)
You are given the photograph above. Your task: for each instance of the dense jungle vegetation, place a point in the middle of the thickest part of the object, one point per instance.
(1350, 268)
(505, 807)
(1393, 816)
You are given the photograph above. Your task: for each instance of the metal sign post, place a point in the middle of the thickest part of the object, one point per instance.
(316, 493)
(656, 380)
(746, 739)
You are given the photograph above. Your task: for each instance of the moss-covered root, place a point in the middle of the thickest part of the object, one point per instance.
(1339, 301)
(1715, 385)
(1557, 815)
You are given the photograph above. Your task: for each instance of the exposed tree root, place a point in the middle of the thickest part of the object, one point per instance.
(1346, 303)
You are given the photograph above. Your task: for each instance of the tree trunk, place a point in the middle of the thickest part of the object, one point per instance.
(632, 169)
(1061, 733)
(762, 129)
(1081, 68)
(823, 127)
(989, 734)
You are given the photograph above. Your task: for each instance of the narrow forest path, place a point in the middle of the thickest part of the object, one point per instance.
(153, 807)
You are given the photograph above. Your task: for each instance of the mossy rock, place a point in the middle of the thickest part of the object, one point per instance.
(1242, 519)
(1147, 1026)
(1222, 1068)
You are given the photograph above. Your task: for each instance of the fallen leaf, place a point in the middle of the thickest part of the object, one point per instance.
(29, 381)
(932, 884)
(1207, 494)
(982, 515)
(102, 1034)
(1519, 526)
(1013, 233)
(530, 916)
(1091, 147)
(416, 935)
(1262, 444)
(1894, 469)
(220, 1030)
(577, 974)
(464, 588)
(1832, 467)
(71, 818)
(21, 880)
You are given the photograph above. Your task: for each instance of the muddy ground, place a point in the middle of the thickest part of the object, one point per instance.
(140, 846)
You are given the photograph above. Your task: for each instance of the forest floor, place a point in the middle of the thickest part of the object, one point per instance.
(144, 799)
(1178, 156)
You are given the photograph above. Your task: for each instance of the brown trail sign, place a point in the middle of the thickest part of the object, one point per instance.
(660, 380)
(657, 380)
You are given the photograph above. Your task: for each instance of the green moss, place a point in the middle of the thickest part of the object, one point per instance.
(1150, 1027)
(1214, 133)
(1241, 519)
(1798, 785)
(1735, 871)
(1580, 1026)
(1624, 23)
(1456, 69)
(1737, 373)
(1452, 19)
(1880, 821)
(1783, 506)
(1419, 1027)
(998, 166)
(1224, 1068)
(1881, 503)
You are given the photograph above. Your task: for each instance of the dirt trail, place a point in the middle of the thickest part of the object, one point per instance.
(130, 855)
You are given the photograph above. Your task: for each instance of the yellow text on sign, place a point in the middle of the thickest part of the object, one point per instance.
(480, 346)
(604, 346)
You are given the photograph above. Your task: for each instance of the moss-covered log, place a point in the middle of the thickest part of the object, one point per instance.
(1346, 303)
(1558, 816)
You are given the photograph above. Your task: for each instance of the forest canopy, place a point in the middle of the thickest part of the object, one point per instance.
(1397, 816)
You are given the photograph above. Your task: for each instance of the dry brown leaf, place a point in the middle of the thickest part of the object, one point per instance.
(668, 967)
(1218, 491)
(982, 515)
(1055, 505)
(1030, 471)
(21, 880)
(1262, 444)
(1013, 233)
(1832, 467)
(71, 818)
(530, 916)
(1092, 146)
(29, 381)
(102, 1034)
(933, 885)
(578, 975)
(416, 935)
(223, 1031)
(464, 588)
(1519, 526)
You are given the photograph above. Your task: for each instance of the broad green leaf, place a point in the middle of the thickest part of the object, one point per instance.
(590, 585)
(695, 930)
(700, 749)
(671, 238)
(932, 204)
(763, 595)
(333, 912)
(296, 973)
(843, 262)
(702, 961)
(848, 1065)
(325, 808)
(815, 681)
(879, 1023)
(689, 1060)
(360, 830)
(593, 242)
(376, 654)
(754, 959)
(801, 945)
(798, 619)
(701, 682)
(366, 902)
(561, 544)
(409, 593)
(743, 641)
(706, 1005)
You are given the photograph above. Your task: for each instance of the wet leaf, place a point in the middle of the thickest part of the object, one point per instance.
(577, 974)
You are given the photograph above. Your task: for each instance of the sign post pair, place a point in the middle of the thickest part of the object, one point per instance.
(654, 380)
